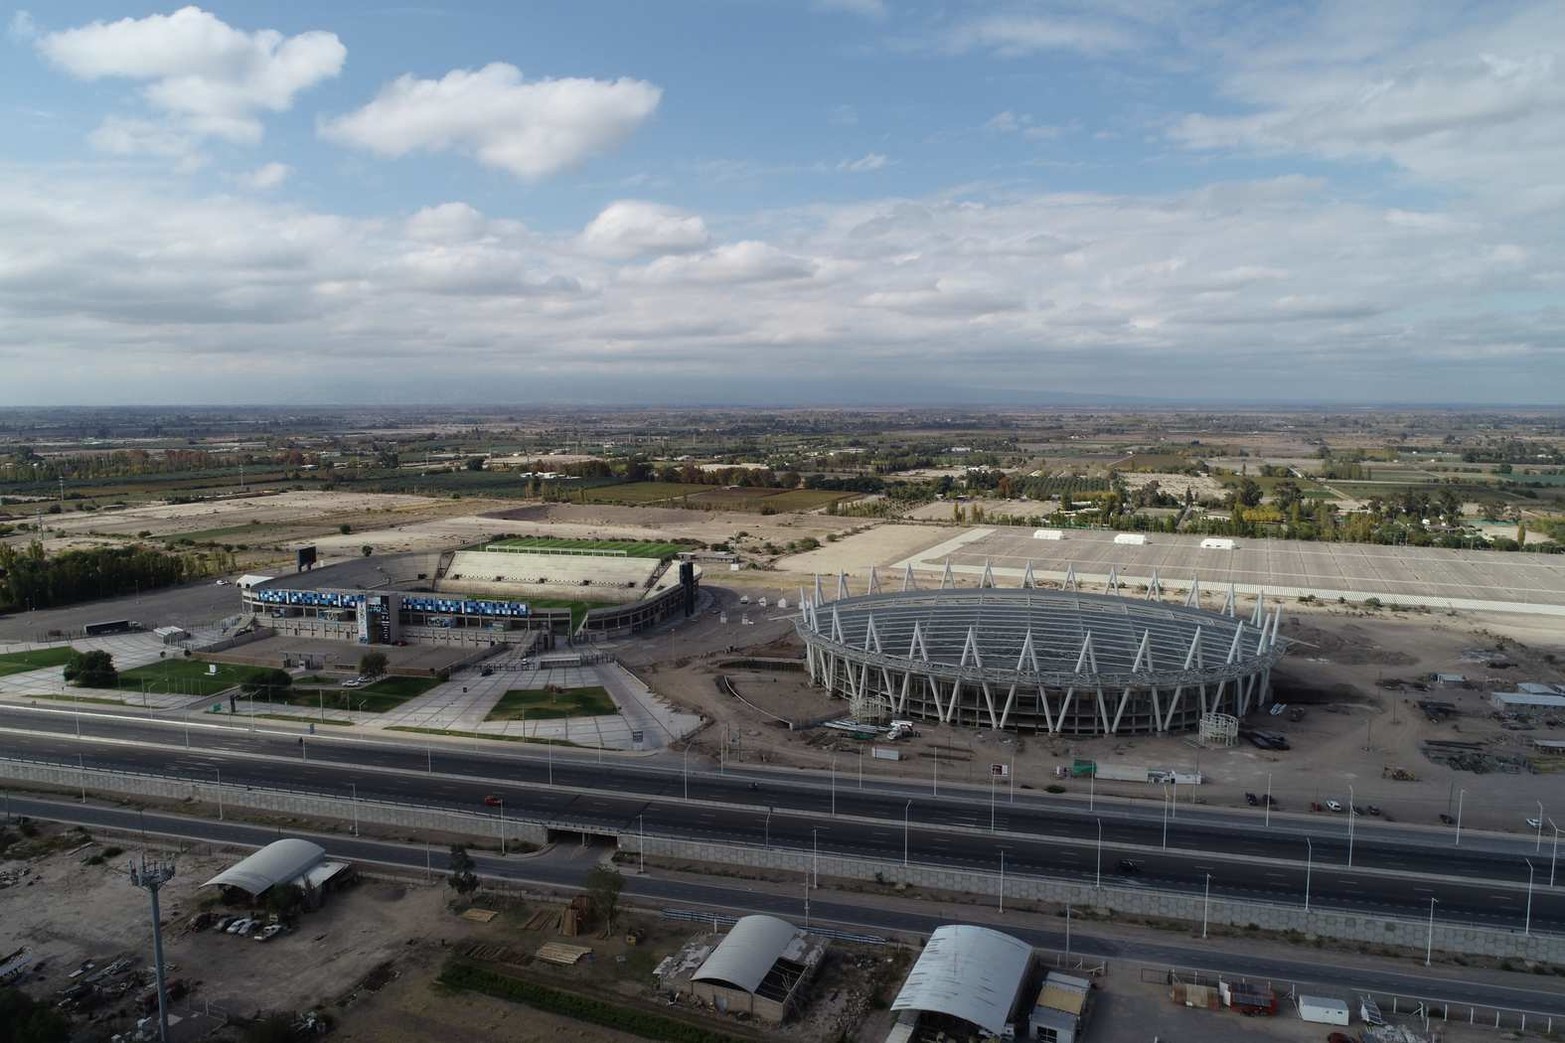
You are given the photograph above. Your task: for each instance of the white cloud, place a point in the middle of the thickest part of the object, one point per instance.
(866, 8)
(865, 164)
(743, 262)
(266, 177)
(447, 222)
(1440, 97)
(118, 136)
(529, 128)
(213, 78)
(21, 27)
(630, 227)
(1019, 35)
(1009, 122)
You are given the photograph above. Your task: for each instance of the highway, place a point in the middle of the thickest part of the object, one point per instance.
(858, 913)
(1394, 871)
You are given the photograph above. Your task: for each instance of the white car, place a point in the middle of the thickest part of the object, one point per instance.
(353, 682)
(269, 932)
(1333, 805)
(240, 926)
(222, 583)
(1535, 823)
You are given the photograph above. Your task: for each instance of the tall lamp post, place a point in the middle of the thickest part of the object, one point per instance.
(1309, 865)
(1352, 814)
(1527, 927)
(1100, 853)
(1538, 847)
(1002, 880)
(1268, 800)
(906, 814)
(1429, 945)
(1206, 904)
(1461, 795)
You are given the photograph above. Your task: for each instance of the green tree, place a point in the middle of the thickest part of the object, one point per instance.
(366, 550)
(604, 885)
(475, 463)
(24, 1020)
(372, 664)
(92, 670)
(463, 878)
(266, 682)
(1248, 494)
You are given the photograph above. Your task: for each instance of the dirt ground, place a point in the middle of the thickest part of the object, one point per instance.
(1352, 726)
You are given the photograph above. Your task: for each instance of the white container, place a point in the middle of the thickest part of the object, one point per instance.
(1323, 1010)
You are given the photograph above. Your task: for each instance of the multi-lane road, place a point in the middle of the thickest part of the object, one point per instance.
(1437, 984)
(1394, 870)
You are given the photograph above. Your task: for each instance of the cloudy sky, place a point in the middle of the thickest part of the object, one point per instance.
(782, 201)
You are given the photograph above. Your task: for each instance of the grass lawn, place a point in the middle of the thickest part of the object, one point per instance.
(535, 704)
(631, 548)
(386, 694)
(185, 677)
(21, 662)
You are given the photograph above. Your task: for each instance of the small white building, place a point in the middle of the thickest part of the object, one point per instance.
(1218, 543)
(1131, 539)
(1048, 534)
(1526, 701)
(1323, 1010)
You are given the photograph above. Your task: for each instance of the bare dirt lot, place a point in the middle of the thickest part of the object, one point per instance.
(1353, 732)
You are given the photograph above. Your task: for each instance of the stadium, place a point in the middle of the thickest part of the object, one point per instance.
(512, 591)
(1039, 661)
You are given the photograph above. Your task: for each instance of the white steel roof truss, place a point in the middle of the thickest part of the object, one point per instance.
(820, 595)
(1028, 657)
(842, 586)
(947, 579)
(1113, 581)
(871, 635)
(836, 626)
(1193, 598)
(1029, 582)
(987, 579)
(874, 581)
(970, 656)
(1143, 653)
(994, 720)
(1010, 701)
(1259, 614)
(907, 578)
(1229, 604)
(1071, 582)
(1154, 587)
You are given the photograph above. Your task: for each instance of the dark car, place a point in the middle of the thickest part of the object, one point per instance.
(1128, 866)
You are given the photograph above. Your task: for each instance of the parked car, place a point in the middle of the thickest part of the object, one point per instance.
(353, 682)
(1373, 809)
(1447, 819)
(269, 932)
(493, 800)
(1332, 805)
(1535, 823)
(1128, 866)
(1252, 800)
(239, 926)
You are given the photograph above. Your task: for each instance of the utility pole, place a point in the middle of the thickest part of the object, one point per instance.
(152, 876)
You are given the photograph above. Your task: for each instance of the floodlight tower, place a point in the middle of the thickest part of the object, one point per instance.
(152, 876)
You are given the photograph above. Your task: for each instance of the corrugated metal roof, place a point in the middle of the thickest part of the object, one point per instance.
(968, 972)
(752, 946)
(276, 863)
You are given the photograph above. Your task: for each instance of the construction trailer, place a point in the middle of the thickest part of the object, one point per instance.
(1323, 1010)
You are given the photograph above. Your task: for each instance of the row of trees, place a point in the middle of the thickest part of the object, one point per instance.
(30, 579)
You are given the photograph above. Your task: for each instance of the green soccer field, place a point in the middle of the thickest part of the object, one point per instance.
(630, 548)
(38, 659)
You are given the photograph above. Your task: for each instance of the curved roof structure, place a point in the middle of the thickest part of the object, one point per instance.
(968, 972)
(279, 862)
(1038, 634)
(743, 958)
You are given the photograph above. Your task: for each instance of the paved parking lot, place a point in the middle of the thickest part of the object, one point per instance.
(1470, 579)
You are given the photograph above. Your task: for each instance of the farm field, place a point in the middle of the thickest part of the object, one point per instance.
(534, 704)
(630, 548)
(635, 493)
(21, 662)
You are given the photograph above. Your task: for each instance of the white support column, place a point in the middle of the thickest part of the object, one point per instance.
(947, 578)
(994, 718)
(836, 626)
(820, 595)
(1154, 587)
(1143, 661)
(1113, 581)
(1260, 610)
(1193, 598)
(874, 581)
(842, 586)
(1028, 581)
(908, 582)
(1071, 582)
(1229, 606)
(1027, 660)
(1010, 701)
(987, 579)
(1119, 711)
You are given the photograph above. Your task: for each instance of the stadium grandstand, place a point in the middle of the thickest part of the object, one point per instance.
(477, 595)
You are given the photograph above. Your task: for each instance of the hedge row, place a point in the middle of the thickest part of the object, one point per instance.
(461, 975)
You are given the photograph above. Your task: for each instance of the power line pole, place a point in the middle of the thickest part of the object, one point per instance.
(152, 876)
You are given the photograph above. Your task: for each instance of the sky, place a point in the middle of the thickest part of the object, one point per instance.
(782, 202)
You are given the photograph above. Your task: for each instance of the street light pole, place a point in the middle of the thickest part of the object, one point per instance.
(906, 813)
(641, 841)
(1554, 855)
(502, 827)
(1527, 928)
(1429, 945)
(1309, 864)
(1539, 846)
(991, 803)
(1165, 820)
(1352, 814)
(354, 787)
(1206, 904)
(686, 772)
(935, 790)
(833, 785)
(1002, 880)
(768, 828)
(815, 855)
(219, 793)
(1461, 795)
(1268, 800)
(1100, 853)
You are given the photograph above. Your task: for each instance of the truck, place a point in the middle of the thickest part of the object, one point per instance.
(1122, 772)
(111, 626)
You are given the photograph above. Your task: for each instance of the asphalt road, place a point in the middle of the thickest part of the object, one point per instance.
(1394, 872)
(861, 914)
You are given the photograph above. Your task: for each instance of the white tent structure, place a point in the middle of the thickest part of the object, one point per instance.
(286, 861)
(972, 973)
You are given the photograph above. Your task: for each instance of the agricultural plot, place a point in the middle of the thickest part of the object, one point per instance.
(39, 659)
(536, 704)
(630, 548)
(640, 493)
